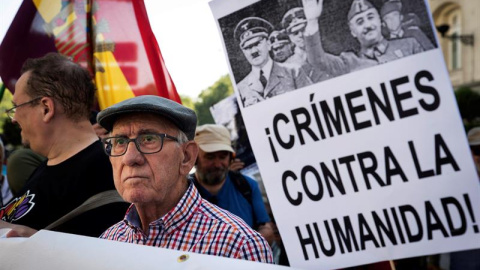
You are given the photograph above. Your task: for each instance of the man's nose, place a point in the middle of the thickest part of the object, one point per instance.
(132, 156)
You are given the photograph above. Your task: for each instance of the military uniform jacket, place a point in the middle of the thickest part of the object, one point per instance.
(346, 62)
(281, 80)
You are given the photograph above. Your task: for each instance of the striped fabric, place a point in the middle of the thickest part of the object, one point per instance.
(195, 225)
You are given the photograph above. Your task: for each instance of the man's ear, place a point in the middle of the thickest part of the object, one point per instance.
(47, 105)
(190, 152)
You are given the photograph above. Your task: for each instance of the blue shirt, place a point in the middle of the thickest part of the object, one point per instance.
(231, 199)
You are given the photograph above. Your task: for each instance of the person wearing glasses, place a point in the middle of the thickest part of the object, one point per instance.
(52, 102)
(152, 150)
(266, 78)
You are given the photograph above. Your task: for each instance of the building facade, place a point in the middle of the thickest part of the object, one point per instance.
(460, 42)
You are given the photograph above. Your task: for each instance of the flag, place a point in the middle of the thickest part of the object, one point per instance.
(111, 38)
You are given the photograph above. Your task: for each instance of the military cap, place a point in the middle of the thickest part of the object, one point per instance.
(251, 27)
(390, 6)
(278, 38)
(357, 7)
(182, 117)
(294, 19)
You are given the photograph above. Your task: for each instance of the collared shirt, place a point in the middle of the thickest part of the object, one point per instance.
(397, 34)
(194, 225)
(267, 69)
(377, 50)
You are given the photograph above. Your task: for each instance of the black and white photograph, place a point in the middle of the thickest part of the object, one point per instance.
(275, 47)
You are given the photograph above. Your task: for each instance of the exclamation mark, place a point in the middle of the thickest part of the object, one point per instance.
(470, 211)
(272, 147)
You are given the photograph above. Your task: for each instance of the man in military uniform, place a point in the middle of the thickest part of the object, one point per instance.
(365, 25)
(392, 17)
(281, 48)
(267, 78)
(294, 23)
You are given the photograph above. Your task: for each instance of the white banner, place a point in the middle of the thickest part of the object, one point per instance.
(47, 250)
(364, 166)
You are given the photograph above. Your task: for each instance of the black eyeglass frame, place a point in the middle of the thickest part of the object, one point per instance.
(162, 136)
(11, 112)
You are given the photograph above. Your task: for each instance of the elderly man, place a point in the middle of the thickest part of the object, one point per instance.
(392, 17)
(232, 191)
(152, 149)
(365, 26)
(266, 78)
(52, 103)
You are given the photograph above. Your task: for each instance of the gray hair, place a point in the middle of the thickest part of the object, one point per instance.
(182, 137)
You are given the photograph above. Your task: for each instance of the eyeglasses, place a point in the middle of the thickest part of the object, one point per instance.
(11, 112)
(145, 143)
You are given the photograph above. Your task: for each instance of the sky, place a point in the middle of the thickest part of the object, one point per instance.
(186, 33)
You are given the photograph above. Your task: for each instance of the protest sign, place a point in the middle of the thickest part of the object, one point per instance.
(356, 132)
(57, 251)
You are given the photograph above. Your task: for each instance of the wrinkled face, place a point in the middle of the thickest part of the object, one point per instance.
(148, 178)
(212, 168)
(366, 27)
(27, 116)
(393, 21)
(256, 51)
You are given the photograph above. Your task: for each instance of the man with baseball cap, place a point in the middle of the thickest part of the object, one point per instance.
(392, 17)
(152, 149)
(234, 192)
(365, 26)
(266, 78)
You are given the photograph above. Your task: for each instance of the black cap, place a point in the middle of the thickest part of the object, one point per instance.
(251, 27)
(184, 118)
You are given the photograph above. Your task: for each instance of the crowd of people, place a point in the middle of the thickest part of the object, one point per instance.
(153, 198)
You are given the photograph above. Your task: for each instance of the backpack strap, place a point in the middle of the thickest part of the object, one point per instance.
(97, 200)
(241, 184)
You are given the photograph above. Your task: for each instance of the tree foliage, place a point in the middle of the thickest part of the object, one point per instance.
(221, 89)
(187, 102)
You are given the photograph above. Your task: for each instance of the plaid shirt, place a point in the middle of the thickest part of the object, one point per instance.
(195, 225)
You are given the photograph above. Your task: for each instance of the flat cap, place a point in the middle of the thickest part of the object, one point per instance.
(390, 6)
(184, 118)
(357, 7)
(251, 27)
(294, 19)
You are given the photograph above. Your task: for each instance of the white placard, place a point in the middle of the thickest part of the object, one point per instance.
(47, 250)
(368, 166)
